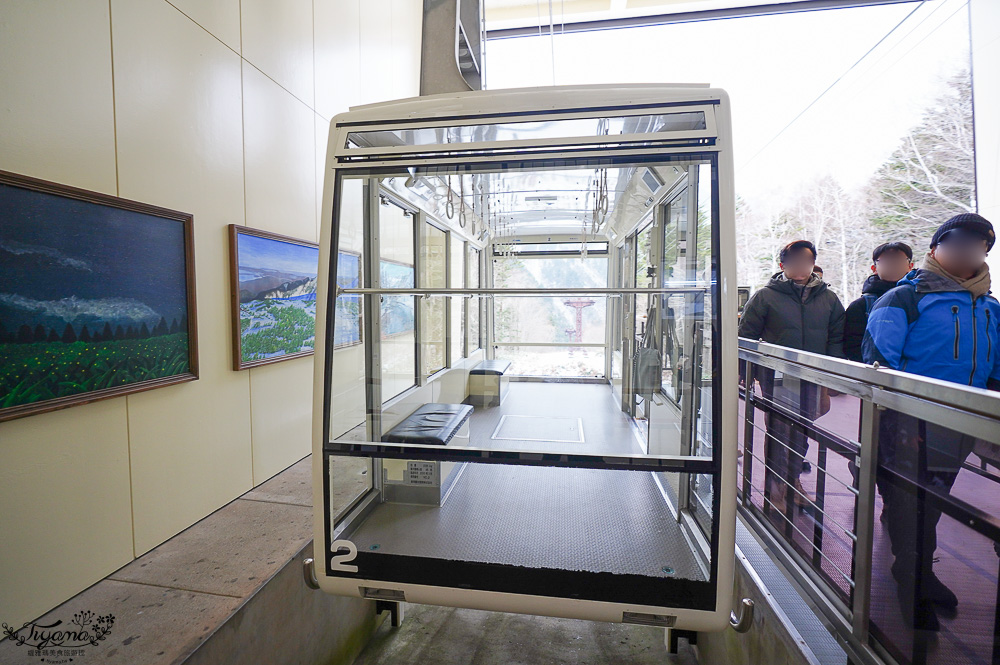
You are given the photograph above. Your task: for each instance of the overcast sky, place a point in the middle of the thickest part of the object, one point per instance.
(773, 67)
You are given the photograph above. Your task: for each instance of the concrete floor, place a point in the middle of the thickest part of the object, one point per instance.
(445, 635)
(167, 602)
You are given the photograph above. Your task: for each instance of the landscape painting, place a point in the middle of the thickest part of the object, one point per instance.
(274, 296)
(96, 296)
(397, 311)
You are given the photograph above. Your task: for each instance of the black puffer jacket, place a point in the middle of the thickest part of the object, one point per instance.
(778, 314)
(857, 315)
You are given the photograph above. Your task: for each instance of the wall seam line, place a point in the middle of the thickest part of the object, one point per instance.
(243, 132)
(212, 34)
(272, 80)
(128, 428)
(114, 99)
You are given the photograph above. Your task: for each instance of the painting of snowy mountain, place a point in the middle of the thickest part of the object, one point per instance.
(96, 296)
(274, 295)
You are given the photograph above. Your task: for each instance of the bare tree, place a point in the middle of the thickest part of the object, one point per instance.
(931, 175)
(836, 222)
(759, 238)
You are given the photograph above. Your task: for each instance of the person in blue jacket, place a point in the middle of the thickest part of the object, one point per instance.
(940, 321)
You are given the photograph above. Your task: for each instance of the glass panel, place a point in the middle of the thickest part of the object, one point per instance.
(575, 423)
(642, 279)
(347, 390)
(534, 202)
(802, 473)
(623, 346)
(551, 320)
(457, 303)
(547, 337)
(553, 247)
(674, 269)
(935, 575)
(553, 361)
(351, 477)
(399, 354)
(701, 245)
(475, 302)
(643, 542)
(433, 274)
(514, 131)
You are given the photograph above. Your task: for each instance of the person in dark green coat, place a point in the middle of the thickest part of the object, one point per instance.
(798, 310)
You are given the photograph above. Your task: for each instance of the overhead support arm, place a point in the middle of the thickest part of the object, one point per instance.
(451, 51)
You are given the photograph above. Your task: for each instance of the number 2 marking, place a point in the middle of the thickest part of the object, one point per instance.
(339, 561)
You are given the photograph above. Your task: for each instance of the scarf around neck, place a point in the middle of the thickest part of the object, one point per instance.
(978, 285)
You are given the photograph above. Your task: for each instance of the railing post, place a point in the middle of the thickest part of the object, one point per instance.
(861, 602)
(820, 502)
(748, 432)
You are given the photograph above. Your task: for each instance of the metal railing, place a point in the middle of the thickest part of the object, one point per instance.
(582, 291)
(823, 524)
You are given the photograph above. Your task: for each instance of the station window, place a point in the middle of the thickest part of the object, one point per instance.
(396, 270)
(458, 303)
(474, 341)
(433, 275)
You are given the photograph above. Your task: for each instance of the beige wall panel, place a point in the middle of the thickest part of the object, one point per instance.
(322, 136)
(376, 51)
(56, 114)
(278, 40)
(280, 143)
(407, 23)
(64, 475)
(66, 518)
(281, 412)
(199, 130)
(179, 145)
(338, 55)
(219, 17)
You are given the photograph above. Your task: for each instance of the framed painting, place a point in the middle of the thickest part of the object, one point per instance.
(97, 296)
(273, 296)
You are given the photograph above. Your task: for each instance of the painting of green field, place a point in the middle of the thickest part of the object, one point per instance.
(96, 297)
(48, 370)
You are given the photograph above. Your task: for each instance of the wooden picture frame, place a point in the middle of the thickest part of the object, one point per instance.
(273, 296)
(97, 296)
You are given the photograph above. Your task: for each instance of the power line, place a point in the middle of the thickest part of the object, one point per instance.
(858, 80)
(924, 38)
(902, 39)
(830, 87)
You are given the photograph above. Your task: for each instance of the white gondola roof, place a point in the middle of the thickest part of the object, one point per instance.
(556, 201)
(525, 100)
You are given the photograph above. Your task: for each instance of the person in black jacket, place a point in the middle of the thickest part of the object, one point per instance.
(795, 309)
(890, 263)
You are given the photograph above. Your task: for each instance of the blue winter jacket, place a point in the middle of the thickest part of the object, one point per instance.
(930, 325)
